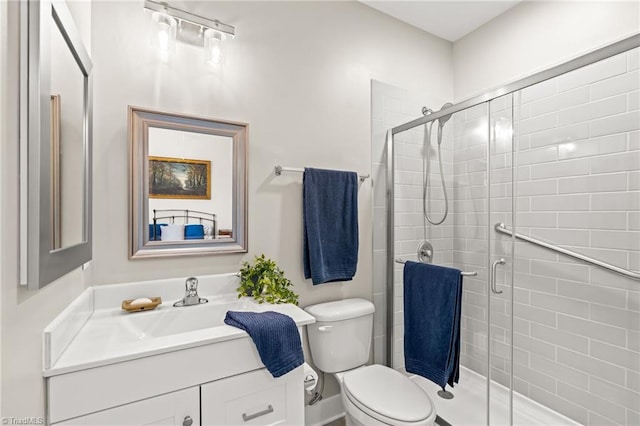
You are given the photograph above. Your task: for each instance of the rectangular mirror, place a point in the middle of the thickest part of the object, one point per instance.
(57, 134)
(188, 185)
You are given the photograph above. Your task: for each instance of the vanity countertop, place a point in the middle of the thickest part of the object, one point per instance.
(110, 335)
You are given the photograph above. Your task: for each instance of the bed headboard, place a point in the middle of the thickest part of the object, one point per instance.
(183, 217)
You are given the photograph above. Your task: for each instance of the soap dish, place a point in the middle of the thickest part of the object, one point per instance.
(127, 306)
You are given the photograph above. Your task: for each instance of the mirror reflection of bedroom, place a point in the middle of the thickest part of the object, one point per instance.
(190, 186)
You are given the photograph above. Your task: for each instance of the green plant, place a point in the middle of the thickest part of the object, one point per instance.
(266, 282)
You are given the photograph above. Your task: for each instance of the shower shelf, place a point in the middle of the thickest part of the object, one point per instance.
(502, 229)
(464, 274)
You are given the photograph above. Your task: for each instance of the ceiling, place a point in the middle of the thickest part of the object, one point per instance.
(450, 20)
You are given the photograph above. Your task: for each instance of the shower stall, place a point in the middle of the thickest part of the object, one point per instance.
(533, 191)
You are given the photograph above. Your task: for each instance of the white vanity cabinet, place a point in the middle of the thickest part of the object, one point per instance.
(171, 366)
(229, 375)
(181, 408)
(254, 398)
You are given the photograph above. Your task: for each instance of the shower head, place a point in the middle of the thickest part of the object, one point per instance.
(444, 118)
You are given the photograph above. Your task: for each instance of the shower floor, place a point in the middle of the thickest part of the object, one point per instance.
(468, 407)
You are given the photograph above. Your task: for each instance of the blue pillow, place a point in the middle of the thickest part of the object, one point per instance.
(193, 232)
(158, 231)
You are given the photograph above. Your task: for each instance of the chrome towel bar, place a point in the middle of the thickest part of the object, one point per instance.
(464, 274)
(279, 169)
(502, 229)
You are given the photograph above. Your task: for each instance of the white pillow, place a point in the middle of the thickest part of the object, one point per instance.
(172, 233)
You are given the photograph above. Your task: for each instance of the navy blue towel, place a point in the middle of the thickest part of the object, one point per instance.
(432, 305)
(330, 215)
(276, 337)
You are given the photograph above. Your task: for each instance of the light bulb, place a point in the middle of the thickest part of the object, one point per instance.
(164, 38)
(214, 53)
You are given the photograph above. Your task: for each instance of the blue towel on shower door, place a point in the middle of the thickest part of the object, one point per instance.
(276, 337)
(432, 307)
(330, 216)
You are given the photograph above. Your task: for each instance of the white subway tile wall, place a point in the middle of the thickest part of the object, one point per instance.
(576, 327)
(392, 106)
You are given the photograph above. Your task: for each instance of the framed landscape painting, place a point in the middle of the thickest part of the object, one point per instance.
(179, 178)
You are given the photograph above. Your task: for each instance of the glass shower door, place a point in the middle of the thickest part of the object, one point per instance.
(470, 254)
(476, 151)
(483, 197)
(501, 207)
(577, 324)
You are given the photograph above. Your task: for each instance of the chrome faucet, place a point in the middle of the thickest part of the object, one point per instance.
(191, 294)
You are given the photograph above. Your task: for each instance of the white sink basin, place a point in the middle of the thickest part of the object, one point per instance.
(171, 320)
(94, 331)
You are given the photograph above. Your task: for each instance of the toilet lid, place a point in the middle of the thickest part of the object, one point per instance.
(387, 394)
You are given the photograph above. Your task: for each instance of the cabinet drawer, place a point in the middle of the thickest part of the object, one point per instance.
(179, 408)
(254, 398)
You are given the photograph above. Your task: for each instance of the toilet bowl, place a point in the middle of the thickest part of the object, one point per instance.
(377, 395)
(372, 395)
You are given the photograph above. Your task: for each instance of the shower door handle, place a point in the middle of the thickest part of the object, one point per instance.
(492, 277)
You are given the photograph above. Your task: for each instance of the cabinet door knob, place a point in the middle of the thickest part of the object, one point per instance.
(188, 421)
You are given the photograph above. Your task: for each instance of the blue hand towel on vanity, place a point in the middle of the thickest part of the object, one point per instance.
(432, 307)
(330, 216)
(276, 337)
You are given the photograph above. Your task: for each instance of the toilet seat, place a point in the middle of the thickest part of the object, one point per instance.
(388, 396)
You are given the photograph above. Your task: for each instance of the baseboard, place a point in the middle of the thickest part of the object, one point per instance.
(323, 412)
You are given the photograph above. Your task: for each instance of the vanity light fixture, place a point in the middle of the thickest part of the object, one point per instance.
(171, 24)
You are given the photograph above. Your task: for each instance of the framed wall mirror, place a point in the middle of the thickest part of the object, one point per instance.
(56, 139)
(188, 185)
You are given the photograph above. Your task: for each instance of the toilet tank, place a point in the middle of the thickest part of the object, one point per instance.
(340, 339)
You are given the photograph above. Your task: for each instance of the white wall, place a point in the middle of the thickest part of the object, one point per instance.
(24, 313)
(534, 36)
(198, 146)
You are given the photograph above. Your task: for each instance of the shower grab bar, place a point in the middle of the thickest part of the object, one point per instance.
(464, 274)
(279, 169)
(502, 229)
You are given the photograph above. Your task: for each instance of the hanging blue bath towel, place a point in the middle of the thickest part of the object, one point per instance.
(432, 307)
(330, 216)
(276, 337)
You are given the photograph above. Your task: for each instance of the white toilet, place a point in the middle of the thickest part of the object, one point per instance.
(340, 342)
